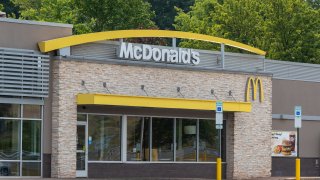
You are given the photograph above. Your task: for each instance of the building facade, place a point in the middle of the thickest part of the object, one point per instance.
(98, 105)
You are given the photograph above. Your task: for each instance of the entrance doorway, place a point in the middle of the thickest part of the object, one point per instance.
(82, 149)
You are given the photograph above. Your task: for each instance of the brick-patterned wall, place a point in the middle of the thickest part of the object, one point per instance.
(251, 154)
(252, 136)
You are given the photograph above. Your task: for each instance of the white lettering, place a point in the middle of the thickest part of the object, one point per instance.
(137, 52)
(126, 51)
(147, 53)
(195, 56)
(165, 55)
(156, 54)
(186, 56)
(174, 56)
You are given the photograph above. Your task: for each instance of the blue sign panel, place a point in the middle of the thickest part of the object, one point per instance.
(219, 105)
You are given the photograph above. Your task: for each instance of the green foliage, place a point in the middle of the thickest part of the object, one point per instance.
(61, 11)
(286, 29)
(89, 15)
(314, 3)
(9, 8)
(165, 11)
(292, 31)
(115, 14)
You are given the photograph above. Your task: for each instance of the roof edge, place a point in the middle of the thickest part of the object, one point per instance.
(41, 23)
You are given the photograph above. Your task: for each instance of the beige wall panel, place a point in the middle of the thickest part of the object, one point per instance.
(26, 36)
(289, 93)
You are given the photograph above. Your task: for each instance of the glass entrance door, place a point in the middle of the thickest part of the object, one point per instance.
(82, 167)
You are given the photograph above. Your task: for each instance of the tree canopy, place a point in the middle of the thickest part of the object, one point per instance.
(165, 11)
(89, 15)
(286, 29)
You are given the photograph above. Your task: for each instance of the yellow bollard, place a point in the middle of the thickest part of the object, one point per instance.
(297, 169)
(219, 169)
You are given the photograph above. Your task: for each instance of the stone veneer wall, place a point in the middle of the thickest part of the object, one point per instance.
(248, 148)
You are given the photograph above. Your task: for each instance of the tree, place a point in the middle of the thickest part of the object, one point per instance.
(286, 29)
(10, 8)
(292, 31)
(115, 14)
(60, 11)
(89, 15)
(165, 11)
(314, 3)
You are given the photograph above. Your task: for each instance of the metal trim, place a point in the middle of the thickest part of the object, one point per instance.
(21, 101)
(19, 21)
(291, 117)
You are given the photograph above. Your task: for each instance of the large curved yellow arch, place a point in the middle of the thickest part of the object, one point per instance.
(54, 44)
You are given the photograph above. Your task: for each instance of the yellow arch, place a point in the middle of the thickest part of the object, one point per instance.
(54, 44)
(253, 85)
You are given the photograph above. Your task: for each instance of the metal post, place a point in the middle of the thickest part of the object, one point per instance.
(298, 134)
(219, 164)
(222, 55)
(298, 156)
(174, 42)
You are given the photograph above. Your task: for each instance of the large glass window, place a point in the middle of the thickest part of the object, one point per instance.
(15, 124)
(31, 169)
(208, 140)
(32, 111)
(9, 168)
(31, 140)
(186, 140)
(104, 137)
(153, 139)
(9, 139)
(162, 139)
(10, 110)
(138, 138)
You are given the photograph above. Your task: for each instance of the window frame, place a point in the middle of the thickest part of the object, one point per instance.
(123, 156)
(21, 119)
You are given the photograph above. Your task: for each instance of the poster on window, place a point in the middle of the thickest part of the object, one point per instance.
(284, 143)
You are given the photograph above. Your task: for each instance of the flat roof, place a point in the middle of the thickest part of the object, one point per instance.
(42, 23)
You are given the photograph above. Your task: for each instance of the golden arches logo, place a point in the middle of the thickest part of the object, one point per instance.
(252, 86)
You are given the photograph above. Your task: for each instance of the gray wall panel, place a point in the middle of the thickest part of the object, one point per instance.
(107, 50)
(23, 73)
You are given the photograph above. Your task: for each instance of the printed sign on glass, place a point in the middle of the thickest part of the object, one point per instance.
(284, 143)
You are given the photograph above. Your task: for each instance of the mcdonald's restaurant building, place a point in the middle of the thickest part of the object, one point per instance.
(98, 105)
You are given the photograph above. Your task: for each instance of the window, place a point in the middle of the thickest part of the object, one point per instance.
(104, 131)
(153, 139)
(10, 110)
(31, 140)
(14, 151)
(10, 139)
(31, 111)
(208, 141)
(82, 117)
(138, 139)
(186, 140)
(162, 139)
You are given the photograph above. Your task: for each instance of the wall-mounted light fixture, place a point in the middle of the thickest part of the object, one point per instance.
(143, 89)
(83, 83)
(213, 93)
(230, 94)
(179, 91)
(105, 86)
